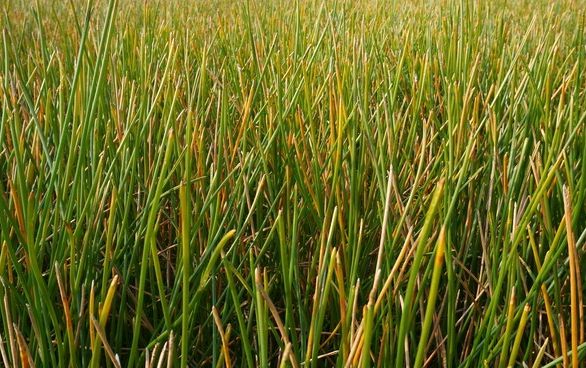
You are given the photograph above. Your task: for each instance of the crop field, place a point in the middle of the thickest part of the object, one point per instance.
(303, 183)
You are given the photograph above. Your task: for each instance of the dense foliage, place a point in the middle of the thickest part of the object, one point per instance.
(294, 183)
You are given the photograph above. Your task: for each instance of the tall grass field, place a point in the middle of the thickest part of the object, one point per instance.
(301, 183)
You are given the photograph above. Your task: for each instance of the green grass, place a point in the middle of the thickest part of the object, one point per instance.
(292, 183)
